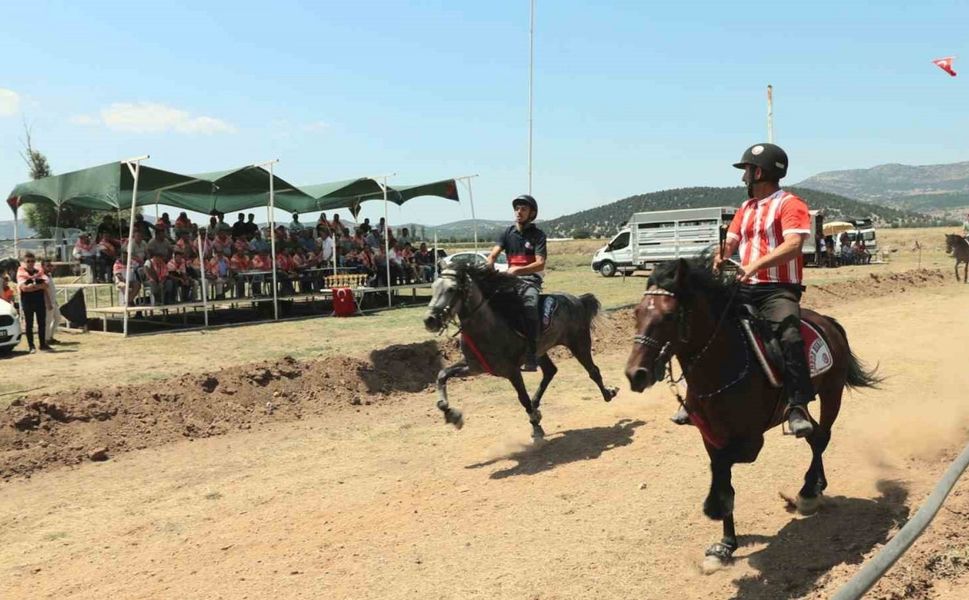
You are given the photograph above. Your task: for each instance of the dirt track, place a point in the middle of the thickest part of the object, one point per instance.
(383, 501)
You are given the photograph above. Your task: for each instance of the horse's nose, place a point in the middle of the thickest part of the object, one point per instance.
(431, 322)
(639, 379)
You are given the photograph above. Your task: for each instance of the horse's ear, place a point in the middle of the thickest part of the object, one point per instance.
(682, 271)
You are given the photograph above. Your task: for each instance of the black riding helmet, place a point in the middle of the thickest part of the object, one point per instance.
(527, 201)
(771, 159)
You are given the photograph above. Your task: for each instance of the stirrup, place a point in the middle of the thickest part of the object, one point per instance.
(682, 417)
(799, 420)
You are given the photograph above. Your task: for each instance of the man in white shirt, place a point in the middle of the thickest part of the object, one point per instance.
(326, 247)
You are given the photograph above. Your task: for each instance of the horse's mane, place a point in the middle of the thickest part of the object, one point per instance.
(696, 277)
(489, 281)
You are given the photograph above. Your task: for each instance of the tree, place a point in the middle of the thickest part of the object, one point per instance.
(581, 234)
(43, 218)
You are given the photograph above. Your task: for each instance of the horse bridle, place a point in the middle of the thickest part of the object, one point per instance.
(462, 291)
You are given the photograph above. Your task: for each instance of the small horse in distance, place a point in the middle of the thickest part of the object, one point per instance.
(958, 246)
(486, 307)
(688, 312)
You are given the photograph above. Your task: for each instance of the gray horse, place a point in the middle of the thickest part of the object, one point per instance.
(487, 308)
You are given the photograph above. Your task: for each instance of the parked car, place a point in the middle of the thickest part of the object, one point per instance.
(9, 327)
(479, 257)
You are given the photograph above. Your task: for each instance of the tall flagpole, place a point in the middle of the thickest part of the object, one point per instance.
(531, 79)
(770, 114)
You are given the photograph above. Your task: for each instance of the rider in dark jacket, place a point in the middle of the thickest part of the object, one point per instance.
(524, 243)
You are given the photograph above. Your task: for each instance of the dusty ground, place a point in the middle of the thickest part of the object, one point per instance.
(322, 495)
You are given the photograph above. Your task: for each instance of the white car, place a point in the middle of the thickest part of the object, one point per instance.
(9, 327)
(476, 258)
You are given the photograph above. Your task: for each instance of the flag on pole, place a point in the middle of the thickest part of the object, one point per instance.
(945, 64)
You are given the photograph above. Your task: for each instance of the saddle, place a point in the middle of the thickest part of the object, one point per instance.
(767, 349)
(509, 308)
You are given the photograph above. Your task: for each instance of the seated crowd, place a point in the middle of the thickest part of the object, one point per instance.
(168, 260)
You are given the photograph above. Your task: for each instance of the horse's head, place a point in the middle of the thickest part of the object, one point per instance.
(448, 292)
(950, 242)
(660, 325)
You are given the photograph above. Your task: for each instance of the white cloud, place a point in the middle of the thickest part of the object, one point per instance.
(316, 126)
(151, 117)
(9, 103)
(84, 120)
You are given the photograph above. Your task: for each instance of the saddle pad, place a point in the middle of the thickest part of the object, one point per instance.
(816, 350)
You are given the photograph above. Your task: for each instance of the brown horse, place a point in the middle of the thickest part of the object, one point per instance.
(958, 246)
(690, 313)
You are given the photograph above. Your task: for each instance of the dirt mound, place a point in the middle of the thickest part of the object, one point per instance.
(92, 424)
(874, 286)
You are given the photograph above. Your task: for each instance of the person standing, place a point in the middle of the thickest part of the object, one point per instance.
(33, 298)
(53, 322)
(525, 245)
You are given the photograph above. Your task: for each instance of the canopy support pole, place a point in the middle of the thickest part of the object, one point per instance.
(272, 236)
(437, 270)
(16, 232)
(390, 302)
(531, 81)
(205, 302)
(135, 171)
(467, 181)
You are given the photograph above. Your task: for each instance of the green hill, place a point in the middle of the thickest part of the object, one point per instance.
(604, 220)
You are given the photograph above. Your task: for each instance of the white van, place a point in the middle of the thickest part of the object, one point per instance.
(653, 237)
(9, 327)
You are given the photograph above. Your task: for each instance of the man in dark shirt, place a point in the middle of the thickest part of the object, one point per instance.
(239, 227)
(524, 244)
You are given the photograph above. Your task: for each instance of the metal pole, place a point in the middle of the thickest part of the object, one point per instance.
(876, 567)
(437, 271)
(16, 231)
(135, 171)
(531, 78)
(390, 302)
(205, 303)
(272, 237)
(770, 114)
(467, 181)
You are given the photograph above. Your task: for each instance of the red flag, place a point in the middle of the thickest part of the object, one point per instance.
(13, 202)
(945, 64)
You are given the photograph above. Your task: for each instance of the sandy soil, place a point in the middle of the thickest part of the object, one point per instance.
(327, 496)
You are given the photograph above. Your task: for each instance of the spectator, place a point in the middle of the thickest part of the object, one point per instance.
(142, 226)
(365, 226)
(217, 273)
(107, 252)
(239, 264)
(404, 237)
(222, 244)
(166, 224)
(182, 224)
(373, 240)
(53, 320)
(295, 225)
(182, 283)
(337, 226)
(160, 285)
(260, 262)
(221, 226)
(257, 244)
(829, 251)
(425, 262)
(86, 253)
(322, 222)
(160, 244)
(107, 227)
(285, 271)
(33, 300)
(251, 228)
(6, 292)
(239, 227)
(128, 287)
(326, 248)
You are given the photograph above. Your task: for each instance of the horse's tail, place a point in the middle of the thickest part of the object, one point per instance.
(591, 305)
(858, 375)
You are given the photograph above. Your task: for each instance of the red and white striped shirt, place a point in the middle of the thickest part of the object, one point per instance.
(760, 227)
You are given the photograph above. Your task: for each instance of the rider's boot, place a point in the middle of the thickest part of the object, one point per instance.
(681, 417)
(798, 389)
(531, 338)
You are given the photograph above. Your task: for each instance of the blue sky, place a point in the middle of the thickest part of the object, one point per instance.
(630, 97)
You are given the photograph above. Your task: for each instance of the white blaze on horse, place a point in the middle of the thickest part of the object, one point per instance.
(487, 309)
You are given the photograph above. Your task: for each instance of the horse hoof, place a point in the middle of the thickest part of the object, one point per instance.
(611, 393)
(807, 506)
(710, 565)
(454, 417)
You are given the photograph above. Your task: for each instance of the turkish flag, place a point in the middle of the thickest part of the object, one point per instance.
(13, 202)
(945, 64)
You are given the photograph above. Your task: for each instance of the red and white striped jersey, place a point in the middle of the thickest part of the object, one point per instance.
(760, 227)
